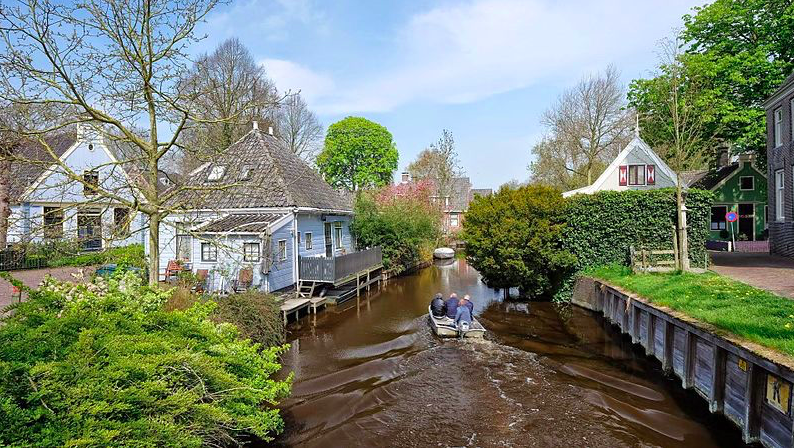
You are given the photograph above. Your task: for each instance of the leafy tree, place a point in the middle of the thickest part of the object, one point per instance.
(401, 221)
(102, 364)
(587, 128)
(438, 163)
(358, 154)
(513, 238)
(741, 51)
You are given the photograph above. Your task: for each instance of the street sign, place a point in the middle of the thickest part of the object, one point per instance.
(731, 216)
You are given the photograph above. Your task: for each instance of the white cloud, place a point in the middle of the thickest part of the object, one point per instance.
(291, 76)
(461, 53)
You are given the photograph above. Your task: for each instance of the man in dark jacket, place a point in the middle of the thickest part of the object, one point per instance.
(437, 306)
(452, 305)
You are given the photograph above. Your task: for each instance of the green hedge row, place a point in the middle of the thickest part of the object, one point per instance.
(600, 227)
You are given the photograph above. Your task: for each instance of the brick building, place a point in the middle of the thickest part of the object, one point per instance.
(780, 167)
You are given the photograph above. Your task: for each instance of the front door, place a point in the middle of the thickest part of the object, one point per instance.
(89, 231)
(329, 241)
(747, 221)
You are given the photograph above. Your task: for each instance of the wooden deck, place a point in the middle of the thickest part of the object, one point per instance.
(294, 305)
(339, 270)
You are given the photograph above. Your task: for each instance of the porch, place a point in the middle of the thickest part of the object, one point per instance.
(339, 270)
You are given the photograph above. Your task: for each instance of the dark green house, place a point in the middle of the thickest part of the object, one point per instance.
(739, 187)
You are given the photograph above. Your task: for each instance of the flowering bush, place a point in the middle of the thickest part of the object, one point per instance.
(101, 364)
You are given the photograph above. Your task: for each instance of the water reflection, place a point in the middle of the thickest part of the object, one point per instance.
(370, 373)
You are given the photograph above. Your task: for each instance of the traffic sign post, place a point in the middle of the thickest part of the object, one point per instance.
(732, 217)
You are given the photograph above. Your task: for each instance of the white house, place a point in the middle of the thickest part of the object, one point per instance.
(47, 204)
(256, 208)
(637, 167)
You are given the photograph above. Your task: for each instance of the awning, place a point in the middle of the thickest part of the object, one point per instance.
(242, 223)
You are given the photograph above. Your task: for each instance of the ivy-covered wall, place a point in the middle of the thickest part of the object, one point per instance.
(600, 227)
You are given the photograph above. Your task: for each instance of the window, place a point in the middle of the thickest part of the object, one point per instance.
(247, 172)
(184, 247)
(53, 223)
(299, 240)
(338, 234)
(282, 250)
(718, 220)
(779, 195)
(791, 119)
(453, 219)
(216, 173)
(251, 252)
(636, 174)
(308, 240)
(747, 183)
(121, 222)
(778, 126)
(90, 183)
(209, 252)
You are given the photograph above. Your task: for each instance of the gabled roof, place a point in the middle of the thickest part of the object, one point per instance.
(460, 194)
(31, 159)
(635, 143)
(481, 192)
(242, 223)
(278, 179)
(713, 178)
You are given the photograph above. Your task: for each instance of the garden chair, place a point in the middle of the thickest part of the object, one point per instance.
(201, 280)
(172, 270)
(244, 279)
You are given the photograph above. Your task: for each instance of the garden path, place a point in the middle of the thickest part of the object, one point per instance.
(32, 278)
(770, 272)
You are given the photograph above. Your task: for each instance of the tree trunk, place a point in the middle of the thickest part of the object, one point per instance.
(154, 250)
(5, 206)
(681, 226)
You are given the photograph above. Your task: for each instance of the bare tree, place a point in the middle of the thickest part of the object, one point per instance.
(7, 145)
(119, 67)
(438, 163)
(587, 126)
(228, 90)
(298, 128)
(689, 144)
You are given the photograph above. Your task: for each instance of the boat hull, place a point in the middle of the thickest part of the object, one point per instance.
(445, 327)
(443, 253)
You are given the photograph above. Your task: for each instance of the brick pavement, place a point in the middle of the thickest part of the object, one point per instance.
(771, 272)
(32, 278)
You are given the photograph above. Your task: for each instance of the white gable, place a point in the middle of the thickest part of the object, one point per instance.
(637, 152)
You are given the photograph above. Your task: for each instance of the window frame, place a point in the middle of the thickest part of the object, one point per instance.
(308, 241)
(777, 127)
(780, 195)
(208, 249)
(216, 173)
(121, 230)
(752, 179)
(724, 221)
(57, 213)
(644, 176)
(252, 256)
(247, 172)
(282, 250)
(456, 218)
(88, 190)
(338, 234)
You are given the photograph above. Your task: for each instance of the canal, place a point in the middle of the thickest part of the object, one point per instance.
(370, 373)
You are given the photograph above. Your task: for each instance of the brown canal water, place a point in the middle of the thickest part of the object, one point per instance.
(371, 373)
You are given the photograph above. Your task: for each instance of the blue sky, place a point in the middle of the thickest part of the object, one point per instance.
(484, 69)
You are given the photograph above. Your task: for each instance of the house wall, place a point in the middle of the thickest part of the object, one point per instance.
(730, 196)
(636, 157)
(314, 224)
(781, 233)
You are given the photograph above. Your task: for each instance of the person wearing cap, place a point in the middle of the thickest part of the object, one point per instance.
(463, 315)
(466, 301)
(437, 306)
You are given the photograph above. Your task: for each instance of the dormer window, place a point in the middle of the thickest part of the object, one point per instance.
(216, 173)
(247, 172)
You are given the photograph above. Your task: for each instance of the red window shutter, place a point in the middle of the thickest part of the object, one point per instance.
(623, 178)
(650, 175)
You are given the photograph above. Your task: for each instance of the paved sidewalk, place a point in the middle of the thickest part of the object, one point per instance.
(32, 278)
(771, 272)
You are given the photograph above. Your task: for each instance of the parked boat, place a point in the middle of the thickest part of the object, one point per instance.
(444, 253)
(445, 327)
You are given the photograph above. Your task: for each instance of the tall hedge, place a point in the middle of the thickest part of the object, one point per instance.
(601, 226)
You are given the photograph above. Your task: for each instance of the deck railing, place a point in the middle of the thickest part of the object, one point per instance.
(335, 269)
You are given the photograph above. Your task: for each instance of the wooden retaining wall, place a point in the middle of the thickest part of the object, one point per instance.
(737, 381)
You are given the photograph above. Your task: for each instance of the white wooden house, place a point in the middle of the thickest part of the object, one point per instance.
(637, 167)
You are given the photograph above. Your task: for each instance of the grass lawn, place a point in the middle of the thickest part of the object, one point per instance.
(743, 310)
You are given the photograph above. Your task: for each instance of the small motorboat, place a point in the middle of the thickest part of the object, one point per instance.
(444, 253)
(445, 327)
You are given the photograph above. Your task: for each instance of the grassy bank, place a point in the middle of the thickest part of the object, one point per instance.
(743, 310)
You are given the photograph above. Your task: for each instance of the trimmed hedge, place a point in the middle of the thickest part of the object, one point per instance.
(602, 226)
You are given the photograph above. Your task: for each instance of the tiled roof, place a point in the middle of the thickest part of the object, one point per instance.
(712, 178)
(31, 159)
(481, 192)
(460, 194)
(278, 178)
(248, 222)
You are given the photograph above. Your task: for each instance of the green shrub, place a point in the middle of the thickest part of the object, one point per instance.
(69, 253)
(602, 226)
(513, 239)
(256, 315)
(101, 364)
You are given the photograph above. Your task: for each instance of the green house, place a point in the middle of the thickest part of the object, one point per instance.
(738, 187)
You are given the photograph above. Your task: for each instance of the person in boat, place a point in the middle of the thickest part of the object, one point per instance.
(463, 315)
(437, 306)
(452, 305)
(466, 301)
